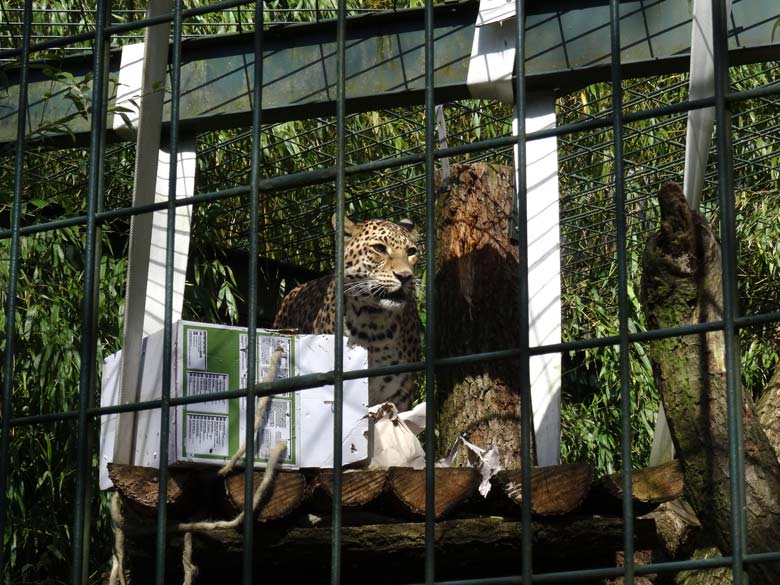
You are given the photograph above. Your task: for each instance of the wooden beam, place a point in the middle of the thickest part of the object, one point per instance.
(568, 48)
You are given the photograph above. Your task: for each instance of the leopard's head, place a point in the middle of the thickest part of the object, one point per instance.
(379, 259)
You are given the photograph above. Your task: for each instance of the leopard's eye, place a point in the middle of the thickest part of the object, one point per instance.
(380, 248)
(411, 251)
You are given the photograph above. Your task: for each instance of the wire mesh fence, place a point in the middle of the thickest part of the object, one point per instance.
(52, 23)
(51, 252)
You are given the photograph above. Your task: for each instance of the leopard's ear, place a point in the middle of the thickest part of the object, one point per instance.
(349, 226)
(409, 226)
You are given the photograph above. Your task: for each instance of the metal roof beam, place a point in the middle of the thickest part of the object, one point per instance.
(567, 46)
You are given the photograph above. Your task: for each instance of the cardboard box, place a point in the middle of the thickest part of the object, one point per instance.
(212, 358)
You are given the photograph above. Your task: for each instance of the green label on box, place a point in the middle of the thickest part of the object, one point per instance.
(214, 359)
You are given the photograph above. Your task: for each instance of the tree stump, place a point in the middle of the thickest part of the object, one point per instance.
(477, 275)
(682, 285)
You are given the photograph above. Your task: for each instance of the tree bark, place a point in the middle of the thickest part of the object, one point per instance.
(768, 411)
(678, 528)
(393, 553)
(716, 576)
(477, 279)
(682, 285)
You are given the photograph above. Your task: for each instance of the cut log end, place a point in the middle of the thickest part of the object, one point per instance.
(452, 485)
(358, 488)
(661, 483)
(140, 487)
(555, 490)
(285, 494)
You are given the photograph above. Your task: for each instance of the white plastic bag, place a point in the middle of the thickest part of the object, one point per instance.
(393, 437)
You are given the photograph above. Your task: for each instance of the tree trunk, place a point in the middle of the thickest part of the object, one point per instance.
(477, 303)
(682, 285)
(769, 413)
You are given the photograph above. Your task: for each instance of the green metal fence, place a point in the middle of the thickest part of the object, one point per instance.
(334, 173)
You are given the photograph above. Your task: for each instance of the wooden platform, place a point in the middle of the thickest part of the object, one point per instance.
(383, 521)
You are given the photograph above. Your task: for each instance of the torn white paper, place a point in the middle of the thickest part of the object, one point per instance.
(487, 462)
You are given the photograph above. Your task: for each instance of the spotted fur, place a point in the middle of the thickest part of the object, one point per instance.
(380, 309)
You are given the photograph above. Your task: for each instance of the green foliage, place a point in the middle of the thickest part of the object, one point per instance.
(654, 151)
(46, 376)
(758, 231)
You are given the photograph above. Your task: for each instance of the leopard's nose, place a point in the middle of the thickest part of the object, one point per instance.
(404, 276)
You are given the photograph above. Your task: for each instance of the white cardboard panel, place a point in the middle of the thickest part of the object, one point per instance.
(314, 414)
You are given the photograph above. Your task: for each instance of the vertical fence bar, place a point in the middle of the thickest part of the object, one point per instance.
(88, 307)
(165, 407)
(13, 276)
(730, 294)
(620, 225)
(430, 300)
(338, 345)
(93, 379)
(521, 221)
(251, 353)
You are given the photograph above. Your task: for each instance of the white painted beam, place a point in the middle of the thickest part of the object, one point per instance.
(490, 76)
(544, 275)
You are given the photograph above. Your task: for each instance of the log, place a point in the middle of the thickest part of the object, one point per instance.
(678, 528)
(465, 548)
(716, 576)
(682, 539)
(284, 497)
(595, 534)
(661, 483)
(476, 282)
(681, 284)
(555, 490)
(641, 557)
(452, 485)
(358, 488)
(139, 486)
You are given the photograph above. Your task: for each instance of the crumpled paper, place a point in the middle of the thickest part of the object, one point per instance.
(393, 436)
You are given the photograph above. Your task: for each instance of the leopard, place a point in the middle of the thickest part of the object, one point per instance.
(380, 303)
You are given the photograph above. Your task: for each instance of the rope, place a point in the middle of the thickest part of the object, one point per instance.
(118, 560)
(190, 569)
(277, 451)
(270, 375)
